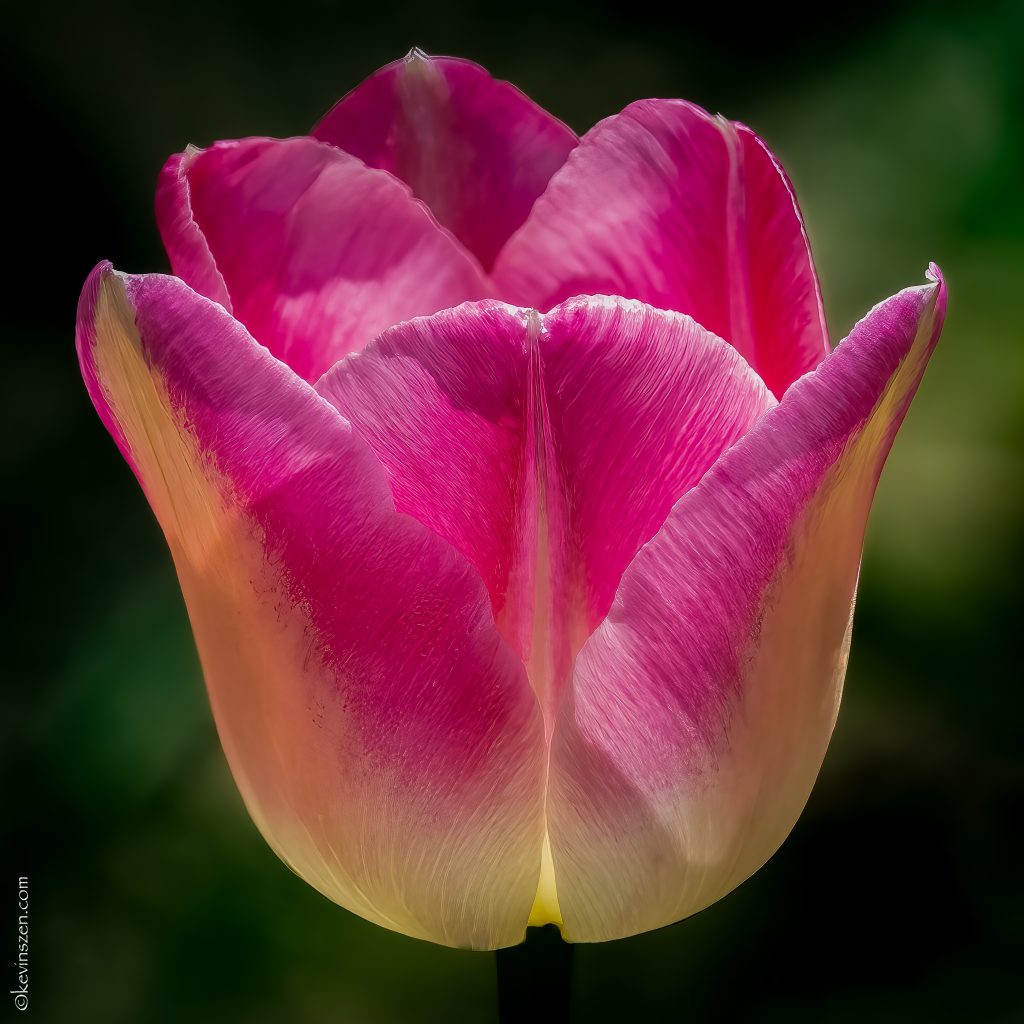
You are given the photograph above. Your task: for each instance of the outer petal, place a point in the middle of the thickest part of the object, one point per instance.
(476, 151)
(701, 709)
(384, 738)
(685, 211)
(312, 251)
(547, 449)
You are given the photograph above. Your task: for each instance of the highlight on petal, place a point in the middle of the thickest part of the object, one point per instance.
(547, 449)
(699, 712)
(476, 151)
(385, 739)
(667, 204)
(313, 251)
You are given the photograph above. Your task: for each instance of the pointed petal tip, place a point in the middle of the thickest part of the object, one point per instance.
(87, 340)
(92, 282)
(86, 314)
(935, 275)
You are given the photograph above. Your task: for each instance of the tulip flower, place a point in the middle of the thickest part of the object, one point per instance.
(515, 492)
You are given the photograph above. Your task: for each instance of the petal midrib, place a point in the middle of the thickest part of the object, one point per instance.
(551, 653)
(737, 270)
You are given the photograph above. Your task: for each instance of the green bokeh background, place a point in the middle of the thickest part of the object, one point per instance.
(897, 897)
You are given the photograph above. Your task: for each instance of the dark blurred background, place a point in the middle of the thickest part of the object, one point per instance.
(898, 896)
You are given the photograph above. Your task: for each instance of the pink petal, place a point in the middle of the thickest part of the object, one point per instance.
(312, 251)
(547, 449)
(384, 738)
(476, 151)
(666, 204)
(701, 709)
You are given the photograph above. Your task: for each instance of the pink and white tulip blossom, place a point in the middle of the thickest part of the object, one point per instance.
(515, 493)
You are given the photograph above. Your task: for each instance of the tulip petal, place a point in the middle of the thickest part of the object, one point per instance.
(547, 449)
(311, 250)
(383, 736)
(476, 151)
(685, 211)
(700, 710)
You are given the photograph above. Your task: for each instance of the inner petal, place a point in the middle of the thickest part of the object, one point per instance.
(475, 150)
(548, 449)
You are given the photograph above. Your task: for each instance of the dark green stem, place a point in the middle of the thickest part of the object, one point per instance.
(535, 979)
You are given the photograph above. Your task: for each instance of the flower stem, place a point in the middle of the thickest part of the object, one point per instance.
(535, 979)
